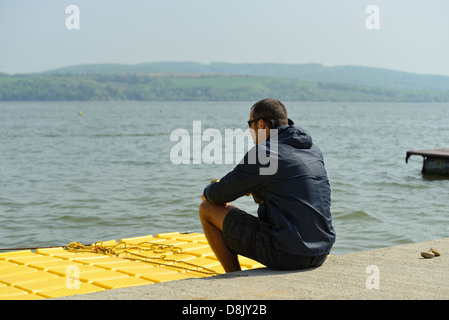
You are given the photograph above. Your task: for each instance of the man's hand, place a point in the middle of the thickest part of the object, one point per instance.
(213, 181)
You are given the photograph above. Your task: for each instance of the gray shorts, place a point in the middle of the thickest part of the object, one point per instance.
(245, 235)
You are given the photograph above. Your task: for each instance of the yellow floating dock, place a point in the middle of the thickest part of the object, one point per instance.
(77, 269)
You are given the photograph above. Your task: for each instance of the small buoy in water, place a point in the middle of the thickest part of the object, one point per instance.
(162, 110)
(80, 113)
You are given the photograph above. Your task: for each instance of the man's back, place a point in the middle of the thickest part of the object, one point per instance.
(299, 197)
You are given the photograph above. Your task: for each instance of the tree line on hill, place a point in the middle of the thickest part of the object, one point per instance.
(185, 87)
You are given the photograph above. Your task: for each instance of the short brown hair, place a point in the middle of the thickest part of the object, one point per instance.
(271, 109)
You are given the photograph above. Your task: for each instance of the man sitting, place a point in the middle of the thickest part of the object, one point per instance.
(293, 229)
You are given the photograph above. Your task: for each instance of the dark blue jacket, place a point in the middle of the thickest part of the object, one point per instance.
(294, 200)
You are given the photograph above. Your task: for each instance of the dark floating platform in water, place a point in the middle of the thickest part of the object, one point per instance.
(436, 161)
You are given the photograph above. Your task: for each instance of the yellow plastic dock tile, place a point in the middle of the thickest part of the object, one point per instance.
(192, 237)
(103, 275)
(204, 262)
(180, 257)
(146, 255)
(249, 263)
(204, 240)
(122, 283)
(45, 285)
(51, 251)
(113, 265)
(4, 264)
(105, 243)
(157, 277)
(6, 292)
(9, 254)
(170, 242)
(156, 262)
(15, 269)
(29, 296)
(202, 252)
(33, 259)
(57, 272)
(116, 265)
(190, 246)
(168, 235)
(78, 255)
(27, 277)
(95, 260)
(56, 264)
(72, 269)
(135, 271)
(80, 288)
(138, 239)
(218, 269)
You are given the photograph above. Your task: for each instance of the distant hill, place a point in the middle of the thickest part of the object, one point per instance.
(196, 87)
(223, 81)
(375, 77)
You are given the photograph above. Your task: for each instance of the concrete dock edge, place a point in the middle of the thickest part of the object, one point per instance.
(398, 273)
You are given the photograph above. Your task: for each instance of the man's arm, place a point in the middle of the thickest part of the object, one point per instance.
(243, 180)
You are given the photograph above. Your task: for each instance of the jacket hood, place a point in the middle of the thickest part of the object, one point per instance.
(295, 137)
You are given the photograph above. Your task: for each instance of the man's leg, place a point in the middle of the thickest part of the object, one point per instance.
(212, 217)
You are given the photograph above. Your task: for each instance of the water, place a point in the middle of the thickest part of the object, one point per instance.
(107, 174)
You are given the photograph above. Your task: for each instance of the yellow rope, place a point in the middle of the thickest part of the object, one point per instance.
(128, 251)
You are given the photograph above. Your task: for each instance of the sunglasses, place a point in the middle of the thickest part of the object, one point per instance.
(273, 122)
(270, 121)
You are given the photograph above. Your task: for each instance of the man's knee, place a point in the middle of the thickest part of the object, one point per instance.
(204, 210)
(203, 207)
(214, 213)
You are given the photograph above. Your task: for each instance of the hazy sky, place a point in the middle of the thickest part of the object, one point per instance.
(413, 35)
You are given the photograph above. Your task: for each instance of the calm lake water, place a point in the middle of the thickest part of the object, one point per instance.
(107, 174)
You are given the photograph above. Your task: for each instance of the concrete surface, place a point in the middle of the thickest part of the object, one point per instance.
(388, 273)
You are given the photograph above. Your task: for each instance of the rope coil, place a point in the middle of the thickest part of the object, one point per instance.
(158, 254)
